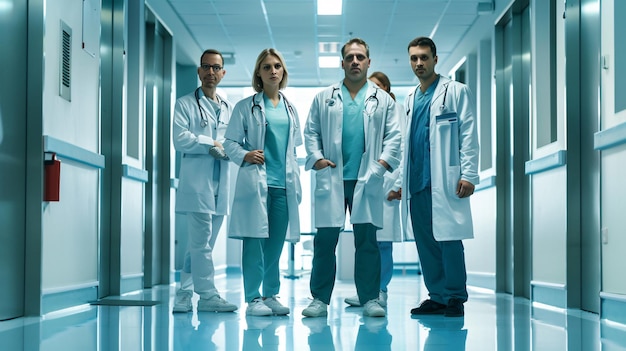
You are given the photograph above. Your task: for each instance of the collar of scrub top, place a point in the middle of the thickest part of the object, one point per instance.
(442, 107)
(204, 119)
(256, 104)
(371, 98)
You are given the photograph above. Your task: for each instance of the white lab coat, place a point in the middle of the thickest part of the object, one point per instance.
(323, 140)
(195, 191)
(453, 156)
(246, 132)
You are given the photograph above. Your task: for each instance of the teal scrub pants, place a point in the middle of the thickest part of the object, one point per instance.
(366, 257)
(443, 262)
(261, 256)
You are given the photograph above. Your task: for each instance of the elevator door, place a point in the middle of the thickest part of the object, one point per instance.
(158, 72)
(589, 71)
(13, 158)
(513, 80)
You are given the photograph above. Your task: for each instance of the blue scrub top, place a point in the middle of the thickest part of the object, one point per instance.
(419, 156)
(276, 136)
(352, 132)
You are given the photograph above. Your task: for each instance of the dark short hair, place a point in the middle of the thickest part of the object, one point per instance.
(211, 52)
(424, 41)
(355, 41)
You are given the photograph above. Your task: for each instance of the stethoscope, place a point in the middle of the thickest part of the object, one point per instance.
(373, 97)
(443, 104)
(204, 119)
(256, 105)
(445, 93)
(331, 101)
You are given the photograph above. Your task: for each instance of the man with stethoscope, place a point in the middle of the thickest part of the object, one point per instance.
(440, 170)
(200, 121)
(352, 137)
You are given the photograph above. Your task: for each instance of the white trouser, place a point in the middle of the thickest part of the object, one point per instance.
(202, 229)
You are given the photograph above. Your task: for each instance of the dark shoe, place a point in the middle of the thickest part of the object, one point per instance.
(429, 307)
(455, 308)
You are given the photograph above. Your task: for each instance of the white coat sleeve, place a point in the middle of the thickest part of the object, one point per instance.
(184, 139)
(396, 175)
(313, 135)
(392, 138)
(468, 135)
(235, 136)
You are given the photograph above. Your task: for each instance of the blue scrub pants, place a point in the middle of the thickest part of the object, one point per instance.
(366, 257)
(443, 262)
(386, 263)
(261, 256)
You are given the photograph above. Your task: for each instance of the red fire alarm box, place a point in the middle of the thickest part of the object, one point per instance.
(52, 177)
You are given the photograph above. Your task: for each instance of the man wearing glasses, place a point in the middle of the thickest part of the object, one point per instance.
(352, 137)
(200, 121)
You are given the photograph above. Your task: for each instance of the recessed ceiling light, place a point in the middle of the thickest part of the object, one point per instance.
(329, 7)
(329, 62)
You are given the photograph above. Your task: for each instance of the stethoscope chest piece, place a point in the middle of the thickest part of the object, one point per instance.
(330, 102)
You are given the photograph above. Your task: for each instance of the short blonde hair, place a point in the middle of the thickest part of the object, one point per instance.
(257, 82)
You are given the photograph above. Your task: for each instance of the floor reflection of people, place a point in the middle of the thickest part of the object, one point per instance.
(260, 332)
(191, 335)
(320, 337)
(373, 335)
(444, 333)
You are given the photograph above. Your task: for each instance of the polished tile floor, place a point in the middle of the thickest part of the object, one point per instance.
(492, 322)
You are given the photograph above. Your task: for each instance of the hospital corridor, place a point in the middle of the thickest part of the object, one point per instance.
(153, 154)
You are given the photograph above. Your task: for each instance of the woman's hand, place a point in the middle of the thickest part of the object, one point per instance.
(255, 157)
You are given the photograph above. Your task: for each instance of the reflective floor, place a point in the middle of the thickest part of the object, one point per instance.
(492, 322)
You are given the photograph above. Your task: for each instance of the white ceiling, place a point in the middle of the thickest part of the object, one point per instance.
(245, 27)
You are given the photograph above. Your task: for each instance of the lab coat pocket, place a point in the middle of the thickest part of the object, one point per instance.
(248, 182)
(323, 181)
(448, 130)
(375, 179)
(453, 175)
(190, 171)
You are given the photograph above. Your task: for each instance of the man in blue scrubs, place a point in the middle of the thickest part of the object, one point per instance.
(440, 170)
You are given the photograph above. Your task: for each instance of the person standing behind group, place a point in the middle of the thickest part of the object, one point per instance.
(352, 138)
(391, 230)
(440, 170)
(261, 139)
(200, 120)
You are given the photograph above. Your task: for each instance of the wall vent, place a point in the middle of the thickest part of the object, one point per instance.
(65, 69)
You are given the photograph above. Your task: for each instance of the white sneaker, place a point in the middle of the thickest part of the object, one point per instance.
(256, 307)
(316, 309)
(276, 307)
(382, 299)
(373, 309)
(182, 301)
(215, 304)
(353, 301)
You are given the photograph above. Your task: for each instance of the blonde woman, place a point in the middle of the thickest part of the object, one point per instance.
(261, 139)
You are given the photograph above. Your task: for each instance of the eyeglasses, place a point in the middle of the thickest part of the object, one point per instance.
(216, 68)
